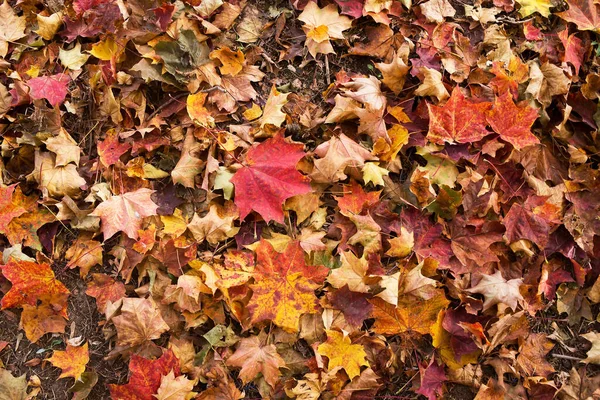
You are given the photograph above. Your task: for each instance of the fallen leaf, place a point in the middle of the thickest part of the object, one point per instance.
(125, 212)
(146, 376)
(52, 88)
(321, 25)
(497, 290)
(139, 322)
(266, 182)
(458, 121)
(513, 121)
(583, 13)
(72, 361)
(342, 353)
(105, 289)
(284, 287)
(254, 357)
(175, 388)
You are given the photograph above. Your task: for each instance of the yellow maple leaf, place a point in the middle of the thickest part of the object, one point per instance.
(528, 7)
(342, 353)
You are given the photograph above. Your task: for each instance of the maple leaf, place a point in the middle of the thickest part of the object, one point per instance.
(513, 122)
(547, 81)
(410, 315)
(72, 361)
(354, 305)
(254, 357)
(12, 27)
(522, 223)
(56, 180)
(42, 297)
(175, 388)
(337, 154)
(32, 282)
(432, 85)
(353, 8)
(73, 59)
(13, 388)
(366, 90)
(321, 25)
(432, 378)
(104, 289)
(197, 112)
(9, 209)
(532, 355)
(265, 182)
(272, 113)
(394, 73)
(583, 13)
(342, 353)
(528, 7)
(574, 50)
(284, 286)
(139, 322)
(474, 247)
(457, 121)
(352, 273)
(188, 166)
(110, 149)
(145, 377)
(125, 212)
(232, 62)
(355, 199)
(437, 10)
(497, 290)
(44, 318)
(215, 226)
(85, 254)
(65, 147)
(52, 88)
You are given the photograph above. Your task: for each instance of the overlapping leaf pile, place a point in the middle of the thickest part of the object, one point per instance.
(335, 199)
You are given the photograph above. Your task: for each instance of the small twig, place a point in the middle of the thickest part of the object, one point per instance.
(565, 357)
(327, 69)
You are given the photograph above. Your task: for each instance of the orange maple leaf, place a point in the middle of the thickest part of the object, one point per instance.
(284, 287)
(411, 315)
(9, 209)
(72, 361)
(458, 121)
(34, 283)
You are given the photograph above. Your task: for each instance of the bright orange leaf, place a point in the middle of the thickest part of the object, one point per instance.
(72, 361)
(458, 121)
(284, 287)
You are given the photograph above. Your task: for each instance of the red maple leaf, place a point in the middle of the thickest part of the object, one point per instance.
(458, 121)
(269, 178)
(583, 13)
(145, 377)
(52, 88)
(522, 223)
(513, 121)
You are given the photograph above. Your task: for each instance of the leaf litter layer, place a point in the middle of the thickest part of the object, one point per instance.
(339, 199)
